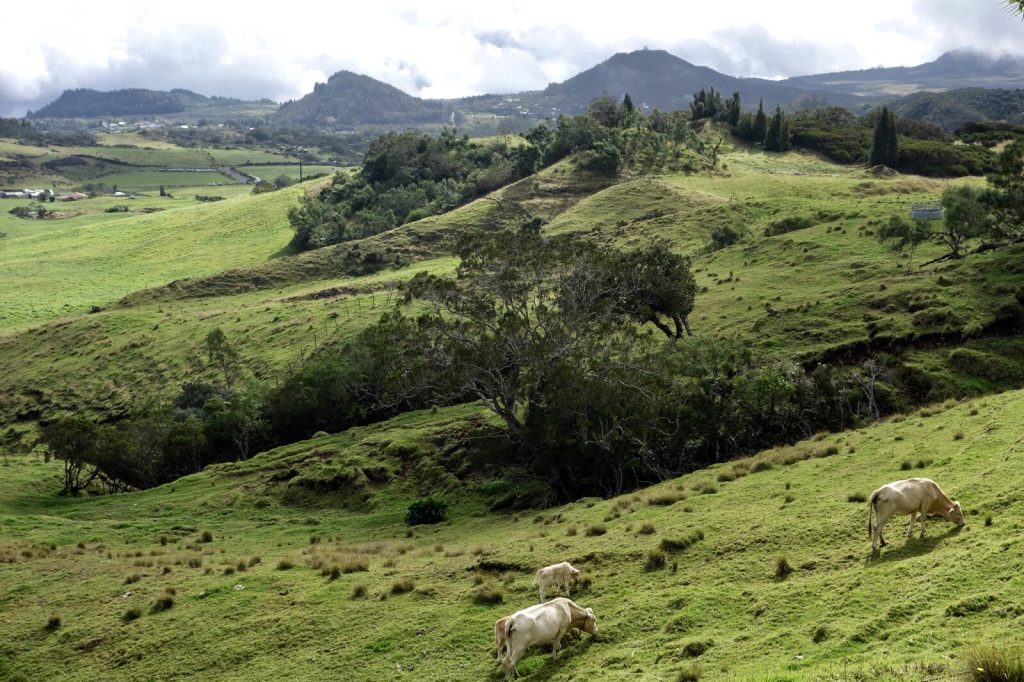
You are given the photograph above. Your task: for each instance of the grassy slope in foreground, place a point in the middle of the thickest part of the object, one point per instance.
(838, 616)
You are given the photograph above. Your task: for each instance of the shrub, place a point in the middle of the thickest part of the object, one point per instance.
(959, 435)
(782, 568)
(988, 519)
(52, 623)
(120, 208)
(695, 649)
(646, 529)
(314, 539)
(988, 663)
(820, 634)
(787, 225)
(856, 497)
(906, 465)
(488, 594)
(163, 540)
(207, 536)
(595, 530)
(679, 544)
(133, 578)
(131, 614)
(762, 465)
(333, 574)
(571, 531)
(253, 561)
(359, 591)
(402, 586)
(664, 499)
(284, 564)
(163, 602)
(229, 570)
(426, 511)
(655, 560)
(691, 673)
(788, 499)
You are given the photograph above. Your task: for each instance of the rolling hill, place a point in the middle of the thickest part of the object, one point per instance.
(230, 573)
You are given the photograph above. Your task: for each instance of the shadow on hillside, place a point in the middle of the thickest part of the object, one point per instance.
(288, 249)
(551, 666)
(912, 547)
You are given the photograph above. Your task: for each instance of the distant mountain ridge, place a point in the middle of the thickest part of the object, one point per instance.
(654, 79)
(88, 103)
(349, 99)
(953, 70)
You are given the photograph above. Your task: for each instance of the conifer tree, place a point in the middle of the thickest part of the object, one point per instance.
(892, 147)
(733, 110)
(884, 144)
(760, 123)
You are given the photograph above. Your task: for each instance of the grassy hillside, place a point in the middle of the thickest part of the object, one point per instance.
(831, 285)
(906, 615)
(99, 257)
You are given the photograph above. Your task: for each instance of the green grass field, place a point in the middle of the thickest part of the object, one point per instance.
(98, 562)
(96, 259)
(910, 614)
(271, 173)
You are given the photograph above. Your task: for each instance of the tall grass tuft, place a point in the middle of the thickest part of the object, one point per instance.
(991, 663)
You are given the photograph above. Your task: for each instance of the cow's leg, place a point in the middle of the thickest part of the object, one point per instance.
(542, 590)
(923, 517)
(556, 644)
(881, 519)
(910, 526)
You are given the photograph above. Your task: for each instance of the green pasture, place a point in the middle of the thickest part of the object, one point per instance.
(271, 173)
(911, 613)
(92, 261)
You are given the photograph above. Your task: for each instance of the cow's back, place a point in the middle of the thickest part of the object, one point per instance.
(908, 495)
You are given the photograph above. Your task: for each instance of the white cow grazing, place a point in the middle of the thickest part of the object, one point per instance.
(913, 496)
(542, 624)
(561, 574)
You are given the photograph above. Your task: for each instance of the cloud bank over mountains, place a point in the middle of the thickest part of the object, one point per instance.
(459, 48)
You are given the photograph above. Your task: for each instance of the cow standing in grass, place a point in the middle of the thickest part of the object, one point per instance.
(912, 496)
(560, 575)
(543, 623)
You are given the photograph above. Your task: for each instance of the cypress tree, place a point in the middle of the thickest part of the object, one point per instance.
(892, 146)
(627, 104)
(881, 140)
(760, 123)
(777, 138)
(732, 116)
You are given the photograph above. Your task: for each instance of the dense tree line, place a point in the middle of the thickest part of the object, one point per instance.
(22, 129)
(580, 350)
(881, 137)
(408, 176)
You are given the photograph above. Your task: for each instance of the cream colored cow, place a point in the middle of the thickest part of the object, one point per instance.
(911, 496)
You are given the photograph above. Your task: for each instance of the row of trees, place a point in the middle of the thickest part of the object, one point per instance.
(773, 134)
(582, 352)
(408, 176)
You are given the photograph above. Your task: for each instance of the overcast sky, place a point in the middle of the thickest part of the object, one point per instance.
(450, 48)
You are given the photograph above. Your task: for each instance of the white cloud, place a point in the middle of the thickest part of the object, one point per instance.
(462, 47)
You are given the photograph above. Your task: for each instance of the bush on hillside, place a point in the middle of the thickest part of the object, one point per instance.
(426, 511)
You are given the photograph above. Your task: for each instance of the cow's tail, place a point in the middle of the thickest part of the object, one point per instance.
(509, 629)
(536, 577)
(872, 508)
